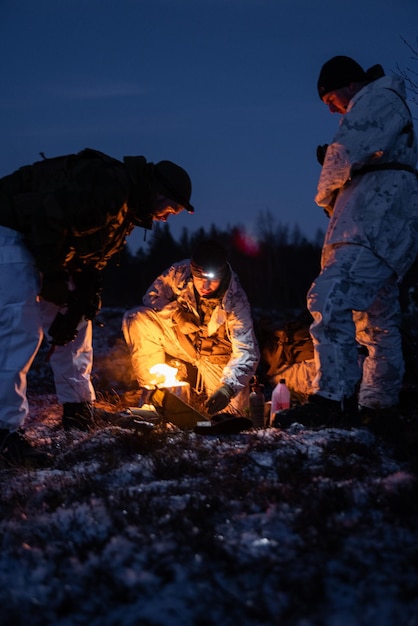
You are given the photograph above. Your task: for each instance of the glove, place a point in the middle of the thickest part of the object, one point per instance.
(63, 329)
(185, 321)
(81, 304)
(55, 287)
(320, 153)
(219, 399)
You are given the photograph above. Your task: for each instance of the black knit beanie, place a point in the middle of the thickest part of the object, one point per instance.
(339, 72)
(209, 260)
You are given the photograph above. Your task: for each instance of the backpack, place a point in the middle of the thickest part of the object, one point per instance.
(60, 205)
(288, 344)
(52, 173)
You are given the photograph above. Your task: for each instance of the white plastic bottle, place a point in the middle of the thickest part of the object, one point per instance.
(280, 399)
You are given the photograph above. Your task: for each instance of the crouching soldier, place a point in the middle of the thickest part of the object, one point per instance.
(197, 312)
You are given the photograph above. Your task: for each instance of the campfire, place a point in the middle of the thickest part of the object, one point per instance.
(171, 396)
(165, 377)
(168, 397)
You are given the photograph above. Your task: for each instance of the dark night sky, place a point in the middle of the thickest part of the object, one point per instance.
(225, 88)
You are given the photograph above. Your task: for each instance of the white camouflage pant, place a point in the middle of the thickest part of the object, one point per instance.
(356, 297)
(23, 318)
(150, 337)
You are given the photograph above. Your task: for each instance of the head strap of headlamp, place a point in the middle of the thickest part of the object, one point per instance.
(209, 273)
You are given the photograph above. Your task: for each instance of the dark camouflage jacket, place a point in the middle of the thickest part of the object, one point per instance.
(76, 210)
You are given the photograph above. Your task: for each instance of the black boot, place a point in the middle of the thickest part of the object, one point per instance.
(319, 412)
(15, 450)
(79, 415)
(85, 416)
(388, 423)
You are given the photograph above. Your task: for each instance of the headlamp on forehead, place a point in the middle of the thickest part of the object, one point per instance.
(209, 273)
(209, 261)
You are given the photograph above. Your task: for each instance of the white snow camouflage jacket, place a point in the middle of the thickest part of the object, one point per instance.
(174, 289)
(377, 209)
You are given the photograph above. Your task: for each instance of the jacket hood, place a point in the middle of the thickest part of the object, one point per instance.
(395, 83)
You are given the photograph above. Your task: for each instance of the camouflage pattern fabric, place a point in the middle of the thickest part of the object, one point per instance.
(355, 298)
(378, 209)
(371, 241)
(150, 330)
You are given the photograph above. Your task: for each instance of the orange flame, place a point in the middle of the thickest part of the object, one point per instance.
(165, 376)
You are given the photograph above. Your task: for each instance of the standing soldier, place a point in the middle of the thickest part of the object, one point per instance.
(61, 220)
(369, 187)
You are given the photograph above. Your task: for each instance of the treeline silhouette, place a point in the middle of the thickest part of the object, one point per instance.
(275, 269)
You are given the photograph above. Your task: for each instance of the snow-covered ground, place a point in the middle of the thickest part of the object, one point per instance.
(165, 527)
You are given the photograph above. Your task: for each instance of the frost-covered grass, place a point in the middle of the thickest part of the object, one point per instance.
(165, 527)
(168, 528)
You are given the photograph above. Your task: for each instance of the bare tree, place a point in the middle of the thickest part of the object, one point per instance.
(410, 75)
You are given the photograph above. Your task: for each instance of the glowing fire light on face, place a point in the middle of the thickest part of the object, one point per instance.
(165, 376)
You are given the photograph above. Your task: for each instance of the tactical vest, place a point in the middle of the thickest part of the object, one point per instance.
(217, 348)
